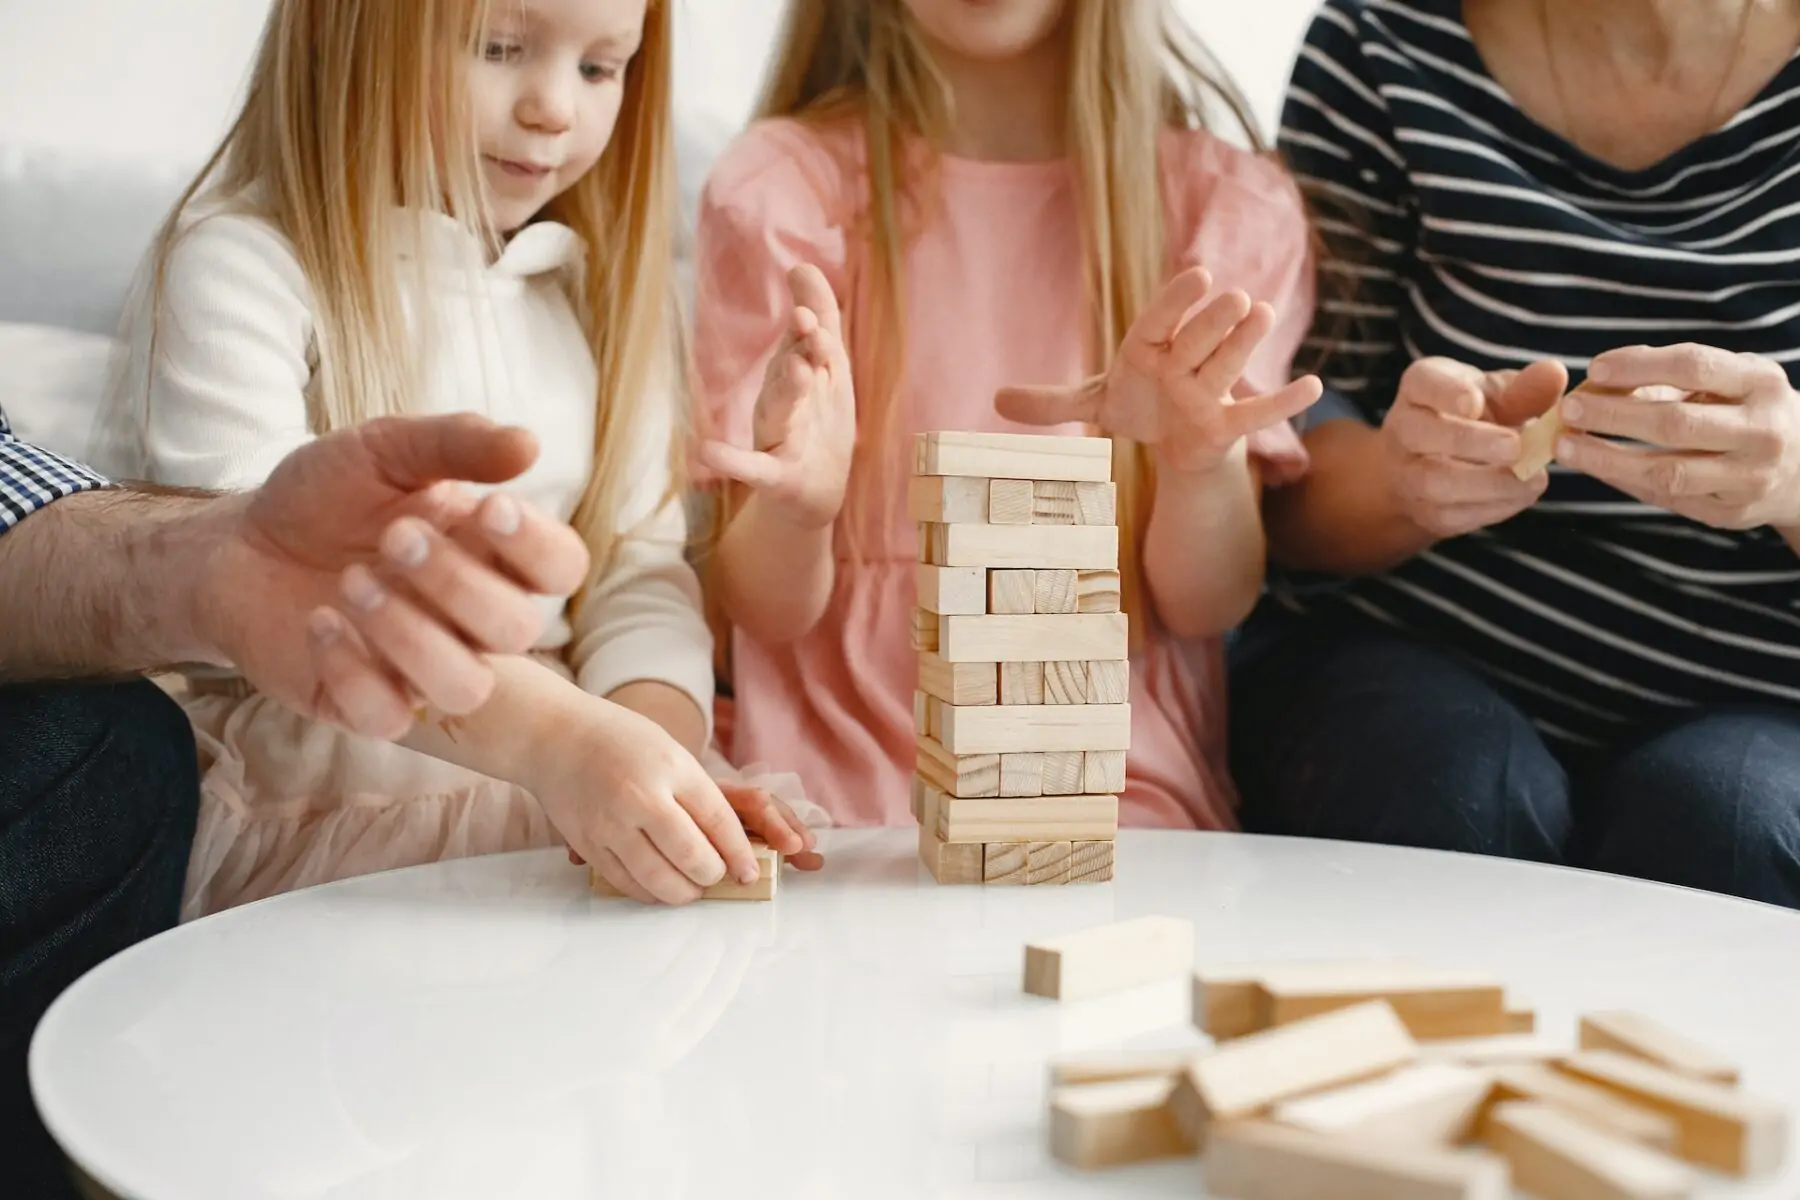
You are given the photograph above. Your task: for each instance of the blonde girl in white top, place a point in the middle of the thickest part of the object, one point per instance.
(446, 205)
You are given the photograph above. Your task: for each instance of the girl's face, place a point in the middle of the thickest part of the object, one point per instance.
(988, 29)
(546, 93)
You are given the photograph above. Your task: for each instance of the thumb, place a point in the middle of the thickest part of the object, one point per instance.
(1529, 393)
(1052, 404)
(812, 291)
(410, 453)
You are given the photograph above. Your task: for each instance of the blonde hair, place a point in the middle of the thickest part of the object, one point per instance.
(1134, 70)
(356, 113)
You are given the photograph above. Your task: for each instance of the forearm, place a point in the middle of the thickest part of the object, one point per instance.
(1204, 552)
(1342, 518)
(531, 712)
(775, 577)
(669, 707)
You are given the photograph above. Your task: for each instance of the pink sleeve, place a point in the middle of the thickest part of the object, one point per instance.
(1245, 222)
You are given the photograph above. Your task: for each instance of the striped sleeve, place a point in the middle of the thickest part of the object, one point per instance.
(31, 478)
(1338, 139)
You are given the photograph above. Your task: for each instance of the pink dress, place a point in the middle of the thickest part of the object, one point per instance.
(994, 296)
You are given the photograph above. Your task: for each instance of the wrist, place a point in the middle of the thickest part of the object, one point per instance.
(181, 564)
(560, 746)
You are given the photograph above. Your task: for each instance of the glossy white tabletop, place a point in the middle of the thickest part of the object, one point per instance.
(485, 1029)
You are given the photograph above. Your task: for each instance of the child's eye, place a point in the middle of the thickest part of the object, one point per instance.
(595, 72)
(500, 52)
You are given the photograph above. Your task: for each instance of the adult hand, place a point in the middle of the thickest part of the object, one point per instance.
(1724, 452)
(1451, 440)
(290, 598)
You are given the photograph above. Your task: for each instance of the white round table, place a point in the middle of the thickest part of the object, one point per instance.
(485, 1029)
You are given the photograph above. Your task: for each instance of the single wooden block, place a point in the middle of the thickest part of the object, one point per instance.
(1096, 504)
(1108, 1124)
(1244, 1076)
(1021, 775)
(947, 500)
(1055, 594)
(957, 775)
(958, 683)
(1053, 502)
(1030, 818)
(1091, 862)
(1640, 1037)
(1225, 1002)
(1103, 771)
(768, 866)
(1062, 773)
(1109, 958)
(954, 591)
(926, 630)
(1009, 501)
(1537, 443)
(1425, 1104)
(1097, 591)
(1066, 683)
(1108, 1066)
(1716, 1126)
(1108, 681)
(1448, 1004)
(1189, 1110)
(1031, 638)
(1012, 591)
(1500, 1048)
(1003, 863)
(1013, 456)
(1557, 1156)
(1259, 1160)
(921, 714)
(1007, 729)
(1594, 1105)
(1047, 862)
(1520, 1020)
(949, 862)
(1058, 547)
(1021, 683)
(934, 543)
(920, 791)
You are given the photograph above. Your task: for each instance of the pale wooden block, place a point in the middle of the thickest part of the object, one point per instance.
(967, 683)
(1021, 683)
(934, 541)
(1009, 501)
(1447, 1004)
(1103, 771)
(1716, 1126)
(768, 866)
(1021, 775)
(1096, 504)
(1097, 591)
(1112, 1123)
(952, 590)
(1520, 1020)
(1425, 1104)
(920, 790)
(1556, 1156)
(1109, 958)
(949, 862)
(1013, 456)
(1259, 1160)
(1225, 1001)
(921, 714)
(1244, 1076)
(968, 775)
(1537, 443)
(1108, 1066)
(1054, 547)
(1047, 862)
(926, 631)
(1062, 773)
(1499, 1048)
(1012, 591)
(1091, 862)
(1108, 681)
(1003, 863)
(1053, 502)
(1031, 818)
(1066, 683)
(947, 499)
(1009, 729)
(934, 716)
(1031, 638)
(1594, 1105)
(1055, 593)
(1640, 1037)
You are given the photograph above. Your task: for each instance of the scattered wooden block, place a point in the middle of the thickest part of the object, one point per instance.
(957, 775)
(1500, 1048)
(768, 865)
(1097, 591)
(1103, 771)
(1640, 1037)
(1047, 862)
(1009, 501)
(1112, 1065)
(949, 862)
(1243, 1077)
(1021, 683)
(1055, 594)
(1111, 1123)
(1033, 818)
(1258, 1160)
(1225, 1003)
(1109, 958)
(1008, 729)
(1425, 1104)
(925, 630)
(1594, 1105)
(1031, 638)
(1013, 456)
(1012, 591)
(1062, 773)
(1096, 504)
(952, 590)
(1108, 681)
(1556, 1156)
(1021, 775)
(966, 683)
(947, 500)
(1716, 1126)
(1003, 863)
(1063, 547)
(1448, 1004)
(1520, 1020)
(1091, 862)
(1066, 683)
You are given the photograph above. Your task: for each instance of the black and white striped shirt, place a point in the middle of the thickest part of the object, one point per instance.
(1481, 236)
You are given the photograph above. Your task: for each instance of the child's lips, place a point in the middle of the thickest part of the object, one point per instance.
(521, 170)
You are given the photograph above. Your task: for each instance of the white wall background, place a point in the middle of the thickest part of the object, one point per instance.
(158, 77)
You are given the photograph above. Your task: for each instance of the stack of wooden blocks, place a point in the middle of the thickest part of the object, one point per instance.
(1022, 709)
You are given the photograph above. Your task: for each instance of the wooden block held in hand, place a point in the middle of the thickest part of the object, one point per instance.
(1041, 547)
(958, 683)
(1244, 1076)
(1112, 1123)
(1091, 862)
(1640, 1037)
(1062, 773)
(925, 630)
(1108, 1066)
(1108, 681)
(1096, 504)
(1013, 455)
(1424, 1104)
(1047, 862)
(1716, 1126)
(1446, 1004)
(1021, 775)
(1066, 683)
(952, 591)
(1055, 593)
(1594, 1105)
(1008, 729)
(768, 865)
(1109, 958)
(1004, 863)
(1031, 638)
(1259, 1160)
(1031, 818)
(1021, 683)
(1097, 591)
(1103, 771)
(954, 775)
(949, 862)
(1557, 1156)
(947, 500)
(1012, 592)
(1009, 501)
(1537, 443)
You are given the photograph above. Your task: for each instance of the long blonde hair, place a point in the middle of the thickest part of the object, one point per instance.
(356, 114)
(1134, 70)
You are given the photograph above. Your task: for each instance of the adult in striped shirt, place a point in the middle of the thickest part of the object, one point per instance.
(1600, 664)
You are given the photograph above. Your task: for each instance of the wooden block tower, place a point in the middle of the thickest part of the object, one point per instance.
(1022, 709)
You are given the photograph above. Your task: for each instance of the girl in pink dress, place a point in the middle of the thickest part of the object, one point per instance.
(1004, 217)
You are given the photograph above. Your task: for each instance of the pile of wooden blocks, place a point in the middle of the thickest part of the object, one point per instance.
(1333, 1080)
(1022, 711)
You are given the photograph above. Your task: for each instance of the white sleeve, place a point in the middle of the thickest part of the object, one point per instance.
(227, 384)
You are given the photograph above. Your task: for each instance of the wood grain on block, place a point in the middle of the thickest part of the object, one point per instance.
(949, 862)
(1106, 1066)
(1716, 1126)
(920, 801)
(947, 500)
(1109, 958)
(1096, 504)
(1260, 1160)
(958, 683)
(1031, 818)
(1108, 681)
(1103, 771)
(1053, 502)
(1097, 591)
(768, 866)
(1012, 591)
(1007, 729)
(1448, 1004)
(1640, 1037)
(1091, 862)
(1051, 547)
(1557, 1156)
(1225, 1001)
(955, 591)
(1244, 1076)
(1004, 863)
(958, 775)
(1426, 1104)
(1537, 443)
(1071, 637)
(1062, 773)
(1500, 1048)
(926, 630)
(1066, 683)
(921, 714)
(1055, 594)
(1021, 775)
(1521, 1020)
(1021, 683)
(934, 543)
(1009, 501)
(1013, 456)
(1594, 1105)
(1047, 862)
(1112, 1123)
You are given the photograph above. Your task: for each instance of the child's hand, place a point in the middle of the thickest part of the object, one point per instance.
(1171, 384)
(805, 425)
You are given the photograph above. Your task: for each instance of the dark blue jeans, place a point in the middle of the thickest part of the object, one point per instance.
(98, 794)
(1360, 734)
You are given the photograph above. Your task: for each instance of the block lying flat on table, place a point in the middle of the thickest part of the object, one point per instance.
(1556, 1156)
(1028, 819)
(1091, 862)
(1258, 1160)
(1594, 1105)
(1640, 1037)
(1046, 547)
(1108, 1066)
(1013, 456)
(1716, 1126)
(1016, 728)
(1424, 1104)
(947, 500)
(1520, 1020)
(1031, 637)
(949, 862)
(952, 591)
(1228, 1000)
(965, 775)
(1109, 958)
(1113, 1123)
(768, 865)
(1448, 1004)
(958, 683)
(1244, 1076)
(1501, 1048)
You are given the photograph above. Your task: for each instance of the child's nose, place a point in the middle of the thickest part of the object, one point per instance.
(548, 103)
